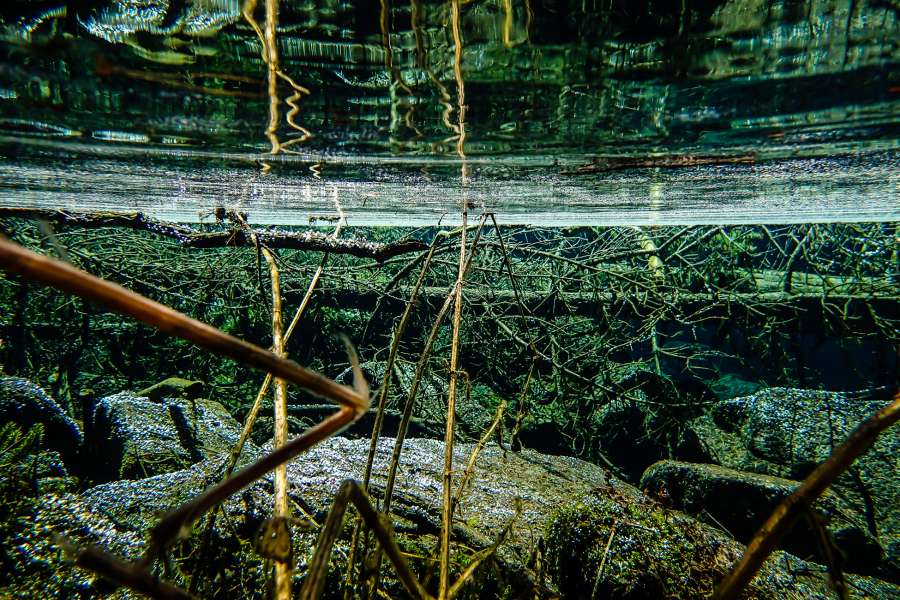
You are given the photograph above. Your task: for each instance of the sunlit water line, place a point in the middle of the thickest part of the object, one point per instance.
(840, 189)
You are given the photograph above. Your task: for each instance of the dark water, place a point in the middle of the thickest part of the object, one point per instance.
(683, 287)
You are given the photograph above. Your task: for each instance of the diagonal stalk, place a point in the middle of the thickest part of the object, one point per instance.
(355, 401)
(447, 505)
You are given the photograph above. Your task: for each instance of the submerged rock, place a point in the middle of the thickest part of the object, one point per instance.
(609, 546)
(786, 432)
(134, 437)
(567, 502)
(26, 404)
(740, 502)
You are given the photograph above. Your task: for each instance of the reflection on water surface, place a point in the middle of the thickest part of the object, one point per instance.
(545, 84)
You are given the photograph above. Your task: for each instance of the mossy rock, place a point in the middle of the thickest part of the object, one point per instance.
(786, 432)
(650, 552)
(741, 502)
(133, 437)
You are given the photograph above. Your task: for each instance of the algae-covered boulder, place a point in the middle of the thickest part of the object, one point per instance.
(799, 428)
(134, 437)
(127, 509)
(786, 432)
(741, 502)
(26, 404)
(615, 546)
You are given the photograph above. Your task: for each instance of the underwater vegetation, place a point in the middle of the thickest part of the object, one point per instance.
(449, 299)
(559, 526)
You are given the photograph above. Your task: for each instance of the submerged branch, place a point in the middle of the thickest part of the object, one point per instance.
(129, 575)
(552, 302)
(605, 164)
(187, 237)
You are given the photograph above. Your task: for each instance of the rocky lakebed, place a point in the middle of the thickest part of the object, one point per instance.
(669, 525)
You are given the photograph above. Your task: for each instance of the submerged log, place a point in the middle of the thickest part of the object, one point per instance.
(604, 164)
(310, 241)
(552, 303)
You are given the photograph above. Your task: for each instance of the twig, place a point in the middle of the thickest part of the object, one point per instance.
(283, 570)
(382, 403)
(470, 465)
(129, 575)
(612, 534)
(178, 522)
(351, 491)
(421, 365)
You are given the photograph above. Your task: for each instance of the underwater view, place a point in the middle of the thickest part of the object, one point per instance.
(438, 299)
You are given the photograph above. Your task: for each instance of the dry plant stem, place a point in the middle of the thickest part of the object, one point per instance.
(264, 388)
(382, 402)
(447, 504)
(421, 365)
(404, 421)
(388, 369)
(351, 491)
(784, 516)
(137, 579)
(355, 401)
(16, 259)
(404, 424)
(283, 570)
(470, 466)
